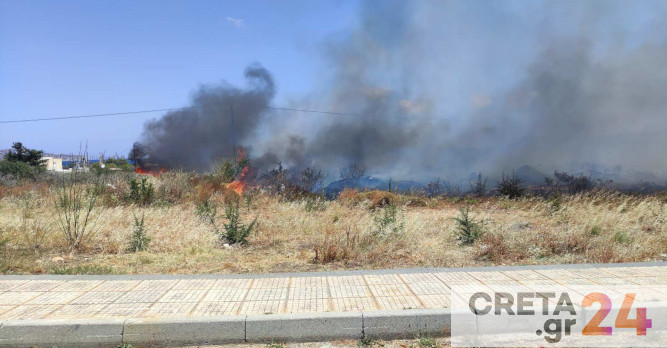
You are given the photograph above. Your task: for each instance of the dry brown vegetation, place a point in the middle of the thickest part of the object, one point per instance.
(352, 232)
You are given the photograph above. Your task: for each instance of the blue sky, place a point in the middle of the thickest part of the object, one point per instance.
(61, 58)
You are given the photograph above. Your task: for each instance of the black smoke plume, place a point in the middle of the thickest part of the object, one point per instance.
(219, 120)
(448, 88)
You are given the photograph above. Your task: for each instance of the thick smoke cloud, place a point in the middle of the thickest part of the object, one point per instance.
(220, 118)
(448, 88)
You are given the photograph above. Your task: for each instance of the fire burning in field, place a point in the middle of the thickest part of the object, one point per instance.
(144, 171)
(239, 185)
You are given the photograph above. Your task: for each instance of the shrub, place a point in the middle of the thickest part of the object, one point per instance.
(140, 239)
(141, 192)
(276, 180)
(75, 202)
(510, 186)
(434, 188)
(387, 222)
(19, 170)
(113, 165)
(468, 229)
(575, 184)
(225, 171)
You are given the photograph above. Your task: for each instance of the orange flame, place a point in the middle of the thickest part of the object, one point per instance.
(143, 171)
(239, 185)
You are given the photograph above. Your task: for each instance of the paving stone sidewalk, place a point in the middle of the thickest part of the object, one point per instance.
(81, 297)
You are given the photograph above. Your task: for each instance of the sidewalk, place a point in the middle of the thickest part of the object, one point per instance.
(106, 310)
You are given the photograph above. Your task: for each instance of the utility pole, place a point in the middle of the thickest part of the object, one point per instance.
(233, 135)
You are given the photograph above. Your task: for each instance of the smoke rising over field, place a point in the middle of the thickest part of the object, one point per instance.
(447, 88)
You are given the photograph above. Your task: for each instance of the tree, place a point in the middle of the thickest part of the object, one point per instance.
(310, 178)
(353, 171)
(510, 186)
(20, 153)
(478, 188)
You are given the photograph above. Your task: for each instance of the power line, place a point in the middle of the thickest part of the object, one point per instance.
(314, 111)
(90, 116)
(168, 109)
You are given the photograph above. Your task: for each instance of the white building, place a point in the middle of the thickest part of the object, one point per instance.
(53, 164)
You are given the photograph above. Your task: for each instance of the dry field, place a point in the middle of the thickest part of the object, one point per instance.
(354, 231)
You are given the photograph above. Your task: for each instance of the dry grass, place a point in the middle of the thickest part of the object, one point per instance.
(603, 227)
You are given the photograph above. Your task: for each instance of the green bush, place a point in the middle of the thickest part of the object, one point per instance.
(141, 192)
(113, 165)
(468, 229)
(19, 170)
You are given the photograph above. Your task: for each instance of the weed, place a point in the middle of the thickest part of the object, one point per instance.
(247, 197)
(335, 248)
(468, 229)
(555, 202)
(425, 341)
(621, 237)
(387, 221)
(33, 228)
(205, 209)
(141, 192)
(595, 230)
(125, 345)
(235, 231)
(365, 341)
(315, 203)
(140, 238)
(6, 254)
(275, 345)
(85, 269)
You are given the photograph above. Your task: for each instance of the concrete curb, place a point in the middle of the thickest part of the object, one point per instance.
(323, 274)
(225, 329)
(59, 332)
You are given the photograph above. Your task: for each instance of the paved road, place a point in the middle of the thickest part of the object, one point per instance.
(81, 297)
